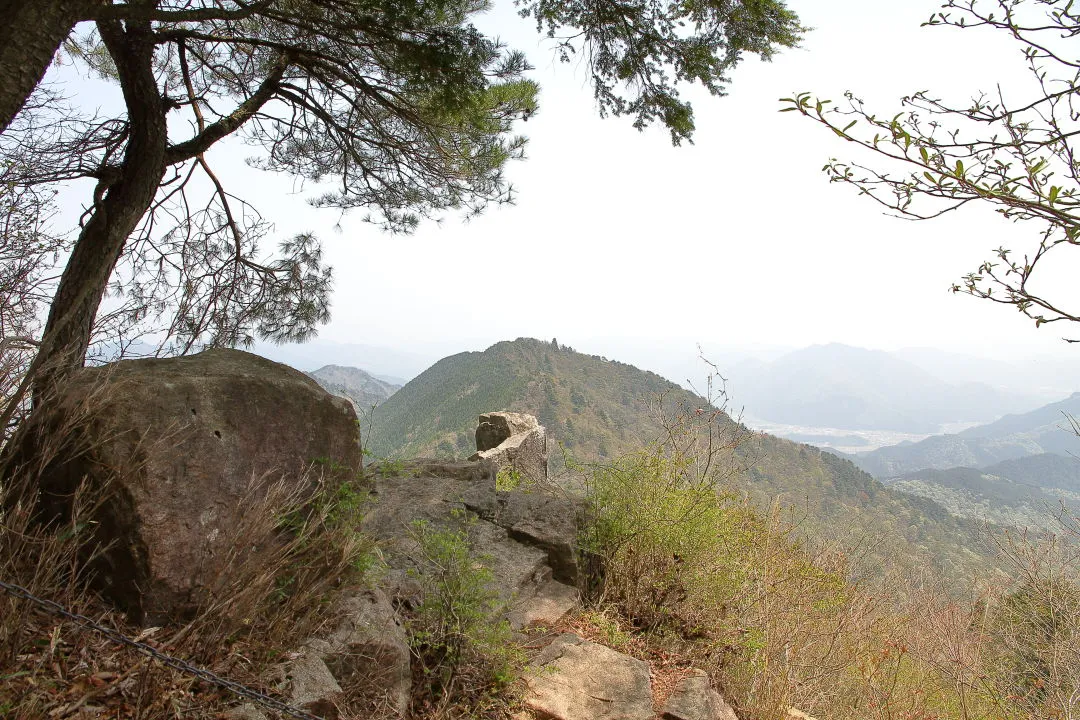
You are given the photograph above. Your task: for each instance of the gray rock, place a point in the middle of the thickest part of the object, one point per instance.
(369, 648)
(448, 495)
(547, 606)
(580, 680)
(514, 441)
(439, 493)
(494, 428)
(189, 445)
(312, 686)
(518, 569)
(247, 711)
(695, 699)
(548, 521)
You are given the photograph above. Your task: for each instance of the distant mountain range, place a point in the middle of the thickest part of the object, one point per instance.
(1045, 430)
(595, 410)
(1025, 491)
(838, 386)
(1018, 470)
(363, 389)
(387, 364)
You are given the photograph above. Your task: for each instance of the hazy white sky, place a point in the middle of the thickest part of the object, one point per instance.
(738, 239)
(619, 239)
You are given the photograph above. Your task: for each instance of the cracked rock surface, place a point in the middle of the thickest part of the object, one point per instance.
(580, 680)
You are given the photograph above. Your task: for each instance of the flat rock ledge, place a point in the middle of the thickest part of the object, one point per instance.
(575, 679)
(580, 680)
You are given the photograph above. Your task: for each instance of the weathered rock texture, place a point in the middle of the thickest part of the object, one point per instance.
(521, 558)
(367, 647)
(514, 441)
(695, 699)
(581, 680)
(548, 521)
(186, 445)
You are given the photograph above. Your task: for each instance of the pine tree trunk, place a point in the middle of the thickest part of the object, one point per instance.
(31, 32)
(118, 212)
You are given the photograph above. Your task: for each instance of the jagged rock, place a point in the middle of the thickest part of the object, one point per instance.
(580, 680)
(695, 699)
(369, 648)
(312, 686)
(548, 521)
(189, 445)
(515, 441)
(449, 495)
(494, 428)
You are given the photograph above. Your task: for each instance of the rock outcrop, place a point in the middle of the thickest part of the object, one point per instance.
(453, 494)
(575, 679)
(185, 445)
(368, 646)
(514, 441)
(695, 699)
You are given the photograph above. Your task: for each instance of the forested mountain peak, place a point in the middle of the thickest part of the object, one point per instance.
(596, 409)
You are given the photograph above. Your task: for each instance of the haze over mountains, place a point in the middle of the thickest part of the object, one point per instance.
(906, 394)
(364, 390)
(1009, 466)
(1018, 470)
(1044, 430)
(1026, 492)
(847, 388)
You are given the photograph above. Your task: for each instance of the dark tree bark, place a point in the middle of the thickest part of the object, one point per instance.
(122, 201)
(31, 32)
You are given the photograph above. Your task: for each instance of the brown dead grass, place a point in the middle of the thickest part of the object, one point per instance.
(262, 605)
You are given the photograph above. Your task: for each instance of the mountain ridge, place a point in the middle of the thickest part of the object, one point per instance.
(363, 389)
(1043, 430)
(594, 410)
(1024, 492)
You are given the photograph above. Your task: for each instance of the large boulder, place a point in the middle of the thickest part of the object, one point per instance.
(580, 680)
(188, 446)
(514, 441)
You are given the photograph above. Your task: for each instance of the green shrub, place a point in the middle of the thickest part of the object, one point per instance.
(701, 572)
(463, 646)
(507, 479)
(662, 542)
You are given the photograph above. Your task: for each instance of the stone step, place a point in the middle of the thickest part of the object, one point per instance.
(575, 679)
(549, 604)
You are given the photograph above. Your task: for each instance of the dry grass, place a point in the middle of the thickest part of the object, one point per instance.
(697, 576)
(262, 603)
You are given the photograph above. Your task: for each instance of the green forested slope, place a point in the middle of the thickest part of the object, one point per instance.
(596, 408)
(1024, 492)
(592, 406)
